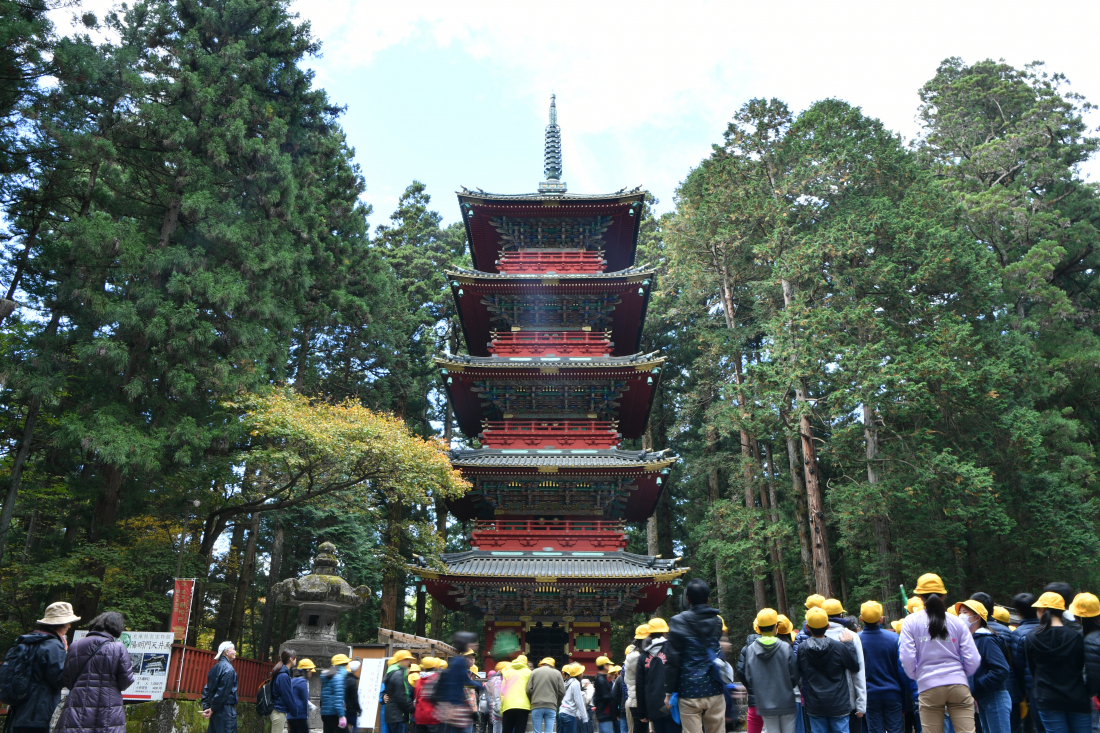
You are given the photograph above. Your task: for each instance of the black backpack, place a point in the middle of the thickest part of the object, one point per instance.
(265, 699)
(16, 673)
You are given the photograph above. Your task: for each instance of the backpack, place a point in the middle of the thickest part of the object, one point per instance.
(16, 673)
(265, 699)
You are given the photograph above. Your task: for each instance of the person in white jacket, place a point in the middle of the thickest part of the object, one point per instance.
(630, 674)
(573, 712)
(857, 681)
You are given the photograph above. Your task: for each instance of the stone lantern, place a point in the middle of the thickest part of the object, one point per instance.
(320, 597)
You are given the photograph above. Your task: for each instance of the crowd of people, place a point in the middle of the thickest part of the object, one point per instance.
(943, 668)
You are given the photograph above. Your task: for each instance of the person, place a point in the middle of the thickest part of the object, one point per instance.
(753, 722)
(1086, 609)
(771, 670)
(280, 689)
(1029, 622)
(692, 646)
(352, 708)
(1055, 654)
(219, 697)
(887, 686)
(97, 670)
(825, 666)
(938, 653)
(424, 709)
(395, 686)
(492, 693)
(456, 690)
(630, 675)
(603, 700)
(572, 712)
(618, 693)
(589, 695)
(813, 600)
(515, 706)
(839, 623)
(297, 716)
(1066, 591)
(48, 645)
(333, 682)
(1003, 636)
(651, 681)
(545, 690)
(988, 683)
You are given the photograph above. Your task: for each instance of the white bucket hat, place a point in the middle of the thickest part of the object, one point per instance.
(59, 614)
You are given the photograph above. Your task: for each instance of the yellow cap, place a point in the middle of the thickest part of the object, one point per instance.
(871, 612)
(1000, 613)
(725, 629)
(430, 663)
(641, 632)
(975, 606)
(521, 659)
(468, 653)
(601, 661)
(500, 666)
(306, 664)
(414, 677)
(1050, 600)
(626, 652)
(814, 601)
(574, 669)
(615, 669)
(414, 667)
(951, 610)
(398, 656)
(915, 604)
(338, 659)
(767, 617)
(548, 660)
(896, 626)
(930, 583)
(755, 626)
(443, 665)
(783, 625)
(1085, 605)
(657, 626)
(816, 618)
(832, 607)
(473, 668)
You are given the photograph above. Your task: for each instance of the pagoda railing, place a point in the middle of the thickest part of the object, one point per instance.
(551, 343)
(541, 262)
(562, 533)
(555, 434)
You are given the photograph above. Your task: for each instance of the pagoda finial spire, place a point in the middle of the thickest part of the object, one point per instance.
(552, 154)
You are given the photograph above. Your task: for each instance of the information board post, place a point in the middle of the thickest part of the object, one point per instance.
(370, 687)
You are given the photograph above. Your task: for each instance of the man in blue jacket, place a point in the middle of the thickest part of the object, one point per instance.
(692, 646)
(886, 680)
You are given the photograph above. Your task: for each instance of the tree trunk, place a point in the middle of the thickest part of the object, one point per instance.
(748, 475)
(771, 505)
(244, 582)
(87, 595)
(391, 575)
(798, 488)
(272, 578)
(421, 609)
(714, 486)
(303, 360)
(28, 544)
(880, 522)
(232, 573)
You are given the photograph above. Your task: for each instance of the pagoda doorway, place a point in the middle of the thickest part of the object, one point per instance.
(548, 641)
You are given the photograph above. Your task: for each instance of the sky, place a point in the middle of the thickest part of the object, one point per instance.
(456, 93)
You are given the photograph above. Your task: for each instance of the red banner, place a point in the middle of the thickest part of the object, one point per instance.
(181, 607)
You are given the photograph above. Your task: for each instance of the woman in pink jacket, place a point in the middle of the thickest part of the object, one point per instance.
(938, 652)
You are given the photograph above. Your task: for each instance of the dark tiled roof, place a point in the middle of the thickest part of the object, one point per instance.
(521, 362)
(639, 270)
(560, 457)
(563, 197)
(565, 564)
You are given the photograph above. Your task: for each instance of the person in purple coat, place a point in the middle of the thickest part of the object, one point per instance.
(97, 670)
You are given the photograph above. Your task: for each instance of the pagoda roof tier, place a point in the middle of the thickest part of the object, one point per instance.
(559, 583)
(598, 484)
(615, 216)
(488, 301)
(552, 388)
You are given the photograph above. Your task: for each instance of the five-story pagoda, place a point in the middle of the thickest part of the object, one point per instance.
(552, 314)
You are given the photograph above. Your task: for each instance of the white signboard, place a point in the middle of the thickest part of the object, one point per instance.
(150, 652)
(370, 689)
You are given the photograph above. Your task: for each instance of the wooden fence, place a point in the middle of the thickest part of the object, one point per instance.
(189, 666)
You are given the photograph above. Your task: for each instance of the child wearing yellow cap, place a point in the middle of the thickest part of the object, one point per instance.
(1056, 653)
(824, 668)
(769, 670)
(887, 687)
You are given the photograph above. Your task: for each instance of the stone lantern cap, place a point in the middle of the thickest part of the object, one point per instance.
(322, 587)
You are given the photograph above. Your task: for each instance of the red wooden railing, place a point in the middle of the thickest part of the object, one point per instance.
(573, 534)
(551, 343)
(535, 261)
(541, 434)
(189, 666)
